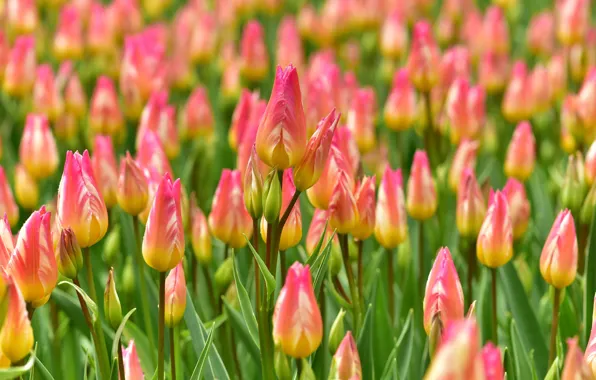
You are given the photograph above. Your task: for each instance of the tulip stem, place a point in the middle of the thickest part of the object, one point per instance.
(282, 264)
(554, 327)
(255, 244)
(493, 272)
(343, 242)
(30, 310)
(298, 367)
(421, 258)
(142, 283)
(340, 289)
(122, 376)
(471, 271)
(390, 280)
(160, 331)
(172, 354)
(265, 337)
(360, 245)
(286, 214)
(210, 289)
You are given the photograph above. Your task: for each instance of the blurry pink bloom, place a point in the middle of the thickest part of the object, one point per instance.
(68, 40)
(253, 52)
(132, 364)
(344, 141)
(16, 336)
(21, 16)
(159, 117)
(422, 198)
(517, 101)
(289, 45)
(493, 71)
(586, 101)
(575, 367)
(203, 38)
(471, 207)
(8, 207)
(105, 116)
(400, 108)
(6, 242)
(423, 61)
(464, 158)
(540, 35)
(19, 73)
(558, 261)
(343, 210)
(394, 36)
(573, 19)
(519, 206)
(105, 170)
(197, 115)
(37, 150)
(100, 30)
(361, 119)
(521, 153)
(320, 193)
(493, 364)
(465, 110)
(175, 296)
(391, 227)
(495, 31)
(47, 99)
(366, 202)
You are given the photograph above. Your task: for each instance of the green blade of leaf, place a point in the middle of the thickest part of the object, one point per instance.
(321, 270)
(90, 304)
(119, 331)
(401, 345)
(590, 280)
(14, 372)
(315, 254)
(245, 305)
(269, 279)
(523, 366)
(240, 328)
(42, 370)
(197, 373)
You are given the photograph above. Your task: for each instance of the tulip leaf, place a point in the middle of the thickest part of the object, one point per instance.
(315, 253)
(590, 280)
(508, 364)
(239, 326)
(45, 373)
(365, 337)
(542, 208)
(321, 265)
(270, 283)
(92, 306)
(522, 363)
(245, 305)
(119, 331)
(14, 372)
(197, 373)
(402, 351)
(523, 313)
(338, 297)
(554, 371)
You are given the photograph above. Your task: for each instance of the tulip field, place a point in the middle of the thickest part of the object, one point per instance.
(298, 190)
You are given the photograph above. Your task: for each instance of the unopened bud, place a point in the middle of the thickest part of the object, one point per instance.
(574, 187)
(111, 246)
(111, 302)
(282, 366)
(69, 257)
(336, 261)
(128, 277)
(585, 215)
(271, 197)
(307, 372)
(223, 274)
(253, 186)
(337, 332)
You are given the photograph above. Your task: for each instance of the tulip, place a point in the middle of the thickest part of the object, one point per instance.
(132, 193)
(75, 99)
(557, 72)
(32, 264)
(69, 257)
(423, 61)
(271, 197)
(343, 210)
(104, 167)
(361, 119)
(346, 361)
(289, 45)
(572, 20)
(573, 190)
(159, 117)
(46, 97)
(494, 247)
(21, 16)
(111, 302)
(585, 101)
(200, 236)
(297, 322)
(163, 242)
(253, 186)
(16, 336)
(464, 158)
(79, 204)
(105, 116)
(100, 29)
(541, 91)
(558, 261)
(175, 296)
(254, 62)
(493, 71)
(521, 153)
(229, 220)
(394, 36)
(517, 101)
(240, 118)
(37, 150)
(455, 64)
(465, 110)
(197, 116)
(8, 207)
(132, 364)
(540, 35)
(400, 108)
(519, 206)
(281, 137)
(495, 31)
(493, 364)
(151, 154)
(310, 169)
(365, 200)
(344, 141)
(19, 72)
(391, 226)
(422, 193)
(471, 209)
(26, 188)
(6, 244)
(443, 297)
(575, 367)
(68, 41)
(202, 44)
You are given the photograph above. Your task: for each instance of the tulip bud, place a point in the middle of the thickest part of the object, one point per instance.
(281, 137)
(21, 16)
(471, 208)
(464, 158)
(423, 61)
(443, 295)
(163, 242)
(16, 336)
(224, 274)
(151, 154)
(465, 110)
(517, 101)
(253, 52)
(422, 193)
(229, 220)
(132, 193)
(19, 72)
(105, 169)
(575, 367)
(574, 186)
(344, 141)
(289, 48)
(8, 206)
(558, 261)
(37, 150)
(175, 296)
(494, 247)
(495, 31)
(590, 164)
(297, 323)
(46, 98)
(105, 116)
(68, 41)
(33, 264)
(493, 364)
(282, 366)
(337, 332)
(69, 257)
(346, 361)
(311, 167)
(111, 302)
(572, 20)
(493, 71)
(111, 247)
(272, 197)
(557, 71)
(361, 119)
(318, 229)
(394, 36)
(521, 153)
(365, 200)
(391, 226)
(343, 210)
(585, 215)
(253, 186)
(200, 236)
(540, 34)
(132, 364)
(400, 108)
(519, 206)
(585, 101)
(197, 115)
(26, 189)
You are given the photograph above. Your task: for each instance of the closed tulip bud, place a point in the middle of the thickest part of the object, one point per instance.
(132, 364)
(557, 73)
(394, 36)
(26, 188)
(311, 167)
(19, 72)
(282, 366)
(68, 40)
(132, 192)
(541, 90)
(558, 261)
(101, 30)
(585, 99)
(37, 150)
(253, 187)
(464, 158)
(422, 192)
(151, 154)
(361, 119)
(519, 206)
(163, 242)
(33, 264)
(517, 101)
(200, 236)
(521, 153)
(540, 35)
(229, 221)
(202, 44)
(337, 332)
(240, 118)
(297, 322)
(493, 71)
(365, 200)
(69, 257)
(423, 61)
(281, 137)
(8, 206)
(175, 296)
(111, 302)
(21, 16)
(289, 45)
(346, 361)
(197, 115)
(80, 205)
(47, 99)
(6, 247)
(572, 20)
(575, 367)
(75, 100)
(254, 61)
(494, 247)
(224, 274)
(111, 246)
(272, 197)
(493, 364)
(590, 164)
(465, 110)
(471, 208)
(159, 117)
(16, 336)
(574, 186)
(344, 141)
(105, 116)
(104, 167)
(495, 31)
(443, 295)
(391, 226)
(343, 210)
(400, 108)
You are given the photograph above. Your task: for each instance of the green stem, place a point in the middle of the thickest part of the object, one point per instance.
(554, 327)
(172, 354)
(421, 258)
(390, 281)
(360, 245)
(255, 244)
(343, 242)
(142, 283)
(161, 325)
(298, 367)
(471, 272)
(493, 272)
(282, 264)
(121, 374)
(286, 214)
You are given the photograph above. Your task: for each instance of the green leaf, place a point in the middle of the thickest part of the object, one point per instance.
(116, 342)
(365, 338)
(554, 371)
(523, 367)
(197, 373)
(484, 307)
(315, 254)
(42, 370)
(402, 351)
(543, 212)
(90, 304)
(198, 334)
(524, 316)
(240, 328)
(508, 364)
(269, 279)
(246, 306)
(321, 268)
(14, 372)
(338, 298)
(590, 280)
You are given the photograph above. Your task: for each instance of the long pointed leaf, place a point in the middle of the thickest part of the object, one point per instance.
(590, 280)
(14, 372)
(119, 332)
(400, 344)
(246, 306)
(197, 373)
(90, 304)
(269, 279)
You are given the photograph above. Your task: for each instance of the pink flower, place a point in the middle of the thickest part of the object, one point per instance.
(19, 72)
(471, 208)
(16, 336)
(521, 153)
(8, 207)
(197, 115)
(68, 41)
(423, 61)
(465, 110)
(175, 296)
(400, 108)
(493, 364)
(422, 199)
(254, 61)
(494, 247)
(394, 35)
(105, 116)
(346, 361)
(46, 97)
(37, 150)
(519, 206)
(343, 210)
(132, 364)
(558, 261)
(391, 227)
(151, 154)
